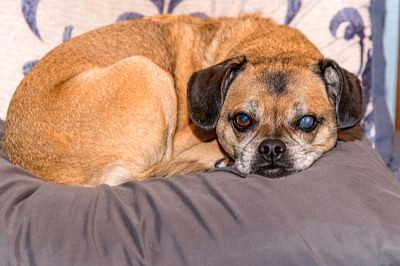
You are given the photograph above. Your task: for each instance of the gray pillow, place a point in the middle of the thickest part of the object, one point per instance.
(344, 210)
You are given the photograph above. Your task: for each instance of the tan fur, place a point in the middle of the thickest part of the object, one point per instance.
(110, 105)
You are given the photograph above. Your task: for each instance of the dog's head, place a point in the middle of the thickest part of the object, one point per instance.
(277, 115)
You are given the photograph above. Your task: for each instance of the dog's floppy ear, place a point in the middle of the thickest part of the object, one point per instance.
(207, 89)
(344, 91)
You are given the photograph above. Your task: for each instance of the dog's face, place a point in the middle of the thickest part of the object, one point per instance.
(277, 115)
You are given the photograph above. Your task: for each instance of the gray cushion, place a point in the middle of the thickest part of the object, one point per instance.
(344, 210)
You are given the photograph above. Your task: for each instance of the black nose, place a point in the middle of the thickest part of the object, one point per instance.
(272, 149)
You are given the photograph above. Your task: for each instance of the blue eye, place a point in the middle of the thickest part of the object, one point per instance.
(242, 121)
(243, 118)
(307, 122)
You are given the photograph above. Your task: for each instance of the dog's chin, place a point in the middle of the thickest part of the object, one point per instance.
(272, 171)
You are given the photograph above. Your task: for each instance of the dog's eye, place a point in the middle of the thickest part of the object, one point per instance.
(307, 122)
(242, 121)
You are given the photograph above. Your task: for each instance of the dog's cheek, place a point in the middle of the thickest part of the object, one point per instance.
(304, 152)
(226, 138)
(303, 156)
(326, 138)
(244, 161)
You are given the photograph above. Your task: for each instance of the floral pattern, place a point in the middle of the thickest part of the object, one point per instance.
(341, 31)
(293, 9)
(356, 27)
(29, 8)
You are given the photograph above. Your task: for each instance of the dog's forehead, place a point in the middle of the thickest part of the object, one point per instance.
(282, 82)
(285, 78)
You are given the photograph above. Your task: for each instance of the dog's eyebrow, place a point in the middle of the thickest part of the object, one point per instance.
(277, 82)
(298, 111)
(251, 106)
(299, 107)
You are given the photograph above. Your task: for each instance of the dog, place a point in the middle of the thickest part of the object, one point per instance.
(169, 95)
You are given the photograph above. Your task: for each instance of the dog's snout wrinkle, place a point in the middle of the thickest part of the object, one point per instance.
(272, 149)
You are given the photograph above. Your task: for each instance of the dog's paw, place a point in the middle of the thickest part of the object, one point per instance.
(224, 162)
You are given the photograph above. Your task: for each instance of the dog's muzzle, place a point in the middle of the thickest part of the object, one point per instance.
(271, 160)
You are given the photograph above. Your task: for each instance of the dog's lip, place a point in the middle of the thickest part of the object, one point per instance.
(272, 171)
(275, 170)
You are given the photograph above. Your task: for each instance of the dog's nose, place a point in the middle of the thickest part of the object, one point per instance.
(272, 149)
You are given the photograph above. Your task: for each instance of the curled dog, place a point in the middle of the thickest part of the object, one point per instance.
(171, 95)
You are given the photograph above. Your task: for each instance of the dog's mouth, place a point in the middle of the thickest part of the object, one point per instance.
(272, 171)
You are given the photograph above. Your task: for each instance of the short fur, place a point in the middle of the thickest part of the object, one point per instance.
(159, 96)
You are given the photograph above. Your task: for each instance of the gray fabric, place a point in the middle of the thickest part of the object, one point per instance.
(344, 210)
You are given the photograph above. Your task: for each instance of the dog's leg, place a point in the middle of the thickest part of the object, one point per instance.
(149, 124)
(106, 125)
(189, 137)
(199, 158)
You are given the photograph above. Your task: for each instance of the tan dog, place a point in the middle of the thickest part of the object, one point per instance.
(151, 97)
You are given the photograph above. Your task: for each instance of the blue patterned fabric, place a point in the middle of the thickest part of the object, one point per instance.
(380, 117)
